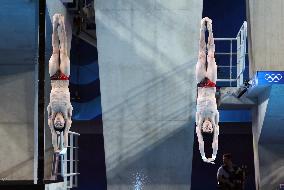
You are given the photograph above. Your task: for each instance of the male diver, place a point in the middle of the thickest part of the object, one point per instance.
(59, 109)
(207, 115)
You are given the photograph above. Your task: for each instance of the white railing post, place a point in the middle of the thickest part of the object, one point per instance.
(238, 57)
(244, 47)
(71, 161)
(242, 41)
(231, 60)
(76, 161)
(68, 161)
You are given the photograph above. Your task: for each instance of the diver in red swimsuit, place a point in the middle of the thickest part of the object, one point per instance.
(59, 108)
(207, 115)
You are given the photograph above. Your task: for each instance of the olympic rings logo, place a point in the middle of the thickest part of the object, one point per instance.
(273, 77)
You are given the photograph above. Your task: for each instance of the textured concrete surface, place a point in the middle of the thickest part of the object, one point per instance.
(17, 59)
(16, 123)
(268, 138)
(147, 55)
(266, 31)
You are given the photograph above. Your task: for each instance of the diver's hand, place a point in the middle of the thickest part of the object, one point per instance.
(204, 158)
(212, 159)
(208, 160)
(63, 151)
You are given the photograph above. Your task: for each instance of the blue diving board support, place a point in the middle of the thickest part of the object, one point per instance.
(263, 80)
(235, 115)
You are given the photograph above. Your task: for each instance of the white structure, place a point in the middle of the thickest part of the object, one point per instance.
(59, 108)
(207, 115)
(147, 55)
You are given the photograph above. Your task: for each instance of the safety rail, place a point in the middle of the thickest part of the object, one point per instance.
(69, 160)
(240, 52)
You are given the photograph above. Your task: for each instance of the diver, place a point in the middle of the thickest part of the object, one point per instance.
(59, 109)
(207, 115)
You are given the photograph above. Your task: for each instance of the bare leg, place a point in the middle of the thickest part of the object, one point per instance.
(212, 67)
(54, 59)
(201, 63)
(64, 59)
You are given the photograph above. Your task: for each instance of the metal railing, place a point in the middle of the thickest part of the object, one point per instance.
(69, 161)
(241, 41)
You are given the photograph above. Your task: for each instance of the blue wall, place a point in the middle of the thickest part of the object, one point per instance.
(84, 81)
(86, 101)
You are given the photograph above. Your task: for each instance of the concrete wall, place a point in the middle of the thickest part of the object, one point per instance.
(268, 138)
(53, 6)
(147, 55)
(266, 31)
(258, 114)
(17, 76)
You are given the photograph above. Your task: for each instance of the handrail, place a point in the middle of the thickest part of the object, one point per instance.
(224, 39)
(69, 160)
(243, 34)
(241, 39)
(74, 133)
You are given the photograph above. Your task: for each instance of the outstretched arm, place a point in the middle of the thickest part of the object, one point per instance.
(53, 132)
(50, 116)
(199, 136)
(66, 131)
(68, 126)
(215, 136)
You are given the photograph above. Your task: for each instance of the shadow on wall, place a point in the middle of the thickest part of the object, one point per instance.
(148, 159)
(160, 137)
(271, 161)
